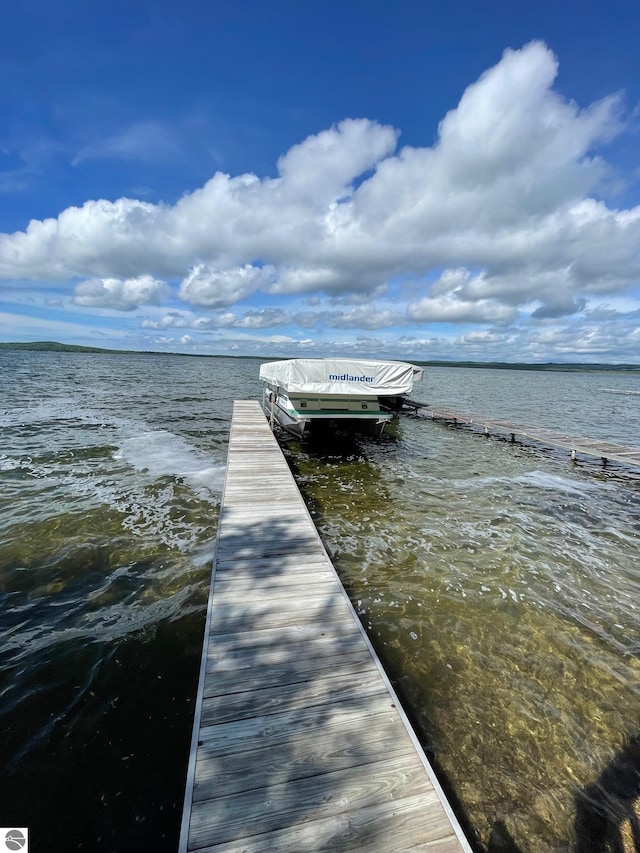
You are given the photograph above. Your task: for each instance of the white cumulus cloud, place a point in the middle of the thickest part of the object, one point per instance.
(458, 297)
(508, 201)
(215, 288)
(120, 295)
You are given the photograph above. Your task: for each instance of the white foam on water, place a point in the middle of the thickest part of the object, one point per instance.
(64, 410)
(8, 464)
(555, 482)
(160, 453)
(204, 555)
(538, 479)
(143, 489)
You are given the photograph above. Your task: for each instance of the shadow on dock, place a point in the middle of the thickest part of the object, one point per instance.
(298, 739)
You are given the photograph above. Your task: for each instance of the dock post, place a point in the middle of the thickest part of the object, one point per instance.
(588, 448)
(272, 413)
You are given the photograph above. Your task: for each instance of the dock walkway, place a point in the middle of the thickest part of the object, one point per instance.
(605, 450)
(299, 742)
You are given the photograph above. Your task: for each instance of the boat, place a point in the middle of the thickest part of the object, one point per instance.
(305, 394)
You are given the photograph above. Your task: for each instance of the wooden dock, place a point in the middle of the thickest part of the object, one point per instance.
(299, 741)
(604, 450)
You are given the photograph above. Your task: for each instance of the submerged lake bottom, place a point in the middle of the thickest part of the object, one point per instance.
(499, 585)
(511, 636)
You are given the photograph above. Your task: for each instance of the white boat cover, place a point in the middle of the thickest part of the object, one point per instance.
(343, 376)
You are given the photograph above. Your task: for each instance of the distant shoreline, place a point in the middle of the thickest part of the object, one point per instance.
(568, 367)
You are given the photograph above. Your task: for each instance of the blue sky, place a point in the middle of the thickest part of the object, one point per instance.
(418, 180)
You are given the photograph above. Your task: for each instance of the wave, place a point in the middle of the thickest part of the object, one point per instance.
(161, 453)
(537, 479)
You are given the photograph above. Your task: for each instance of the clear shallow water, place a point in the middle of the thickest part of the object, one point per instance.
(499, 583)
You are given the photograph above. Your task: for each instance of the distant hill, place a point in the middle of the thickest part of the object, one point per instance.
(569, 367)
(53, 346)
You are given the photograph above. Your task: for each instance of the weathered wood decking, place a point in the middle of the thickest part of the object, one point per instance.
(598, 448)
(299, 741)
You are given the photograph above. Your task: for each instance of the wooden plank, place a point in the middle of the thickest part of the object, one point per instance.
(225, 680)
(269, 547)
(261, 612)
(275, 532)
(304, 694)
(390, 825)
(332, 643)
(290, 641)
(268, 583)
(299, 741)
(239, 815)
(302, 755)
(241, 512)
(341, 717)
(228, 592)
(286, 562)
(235, 619)
(262, 571)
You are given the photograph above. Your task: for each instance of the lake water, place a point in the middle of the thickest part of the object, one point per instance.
(499, 583)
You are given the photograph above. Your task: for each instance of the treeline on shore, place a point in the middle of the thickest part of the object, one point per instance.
(55, 346)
